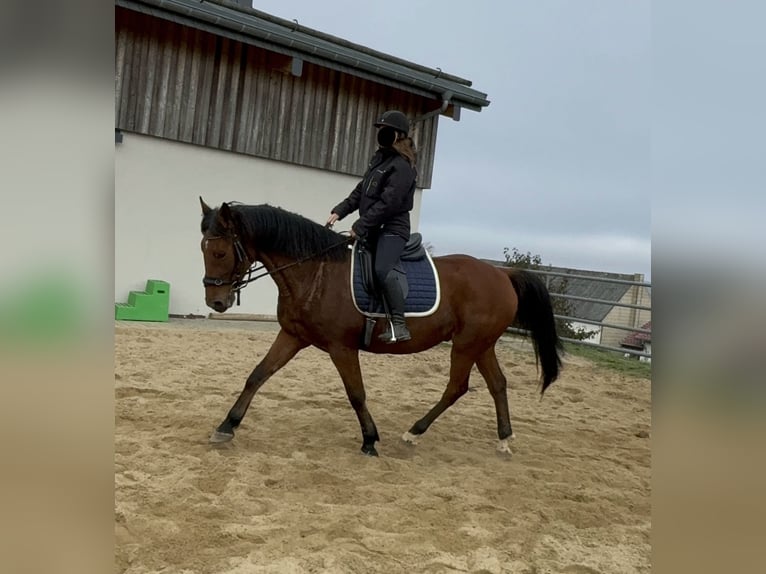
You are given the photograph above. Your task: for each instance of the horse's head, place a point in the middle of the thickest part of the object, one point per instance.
(226, 261)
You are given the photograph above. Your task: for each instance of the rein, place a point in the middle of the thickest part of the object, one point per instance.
(239, 282)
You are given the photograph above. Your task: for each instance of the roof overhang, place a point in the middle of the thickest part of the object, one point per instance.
(289, 38)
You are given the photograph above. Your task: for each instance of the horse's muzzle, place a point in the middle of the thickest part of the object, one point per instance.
(220, 303)
(219, 306)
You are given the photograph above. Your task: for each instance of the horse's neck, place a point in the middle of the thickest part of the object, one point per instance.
(294, 280)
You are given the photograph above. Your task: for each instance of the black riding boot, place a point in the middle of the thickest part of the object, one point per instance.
(395, 300)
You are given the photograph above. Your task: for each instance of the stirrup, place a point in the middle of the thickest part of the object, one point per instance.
(395, 333)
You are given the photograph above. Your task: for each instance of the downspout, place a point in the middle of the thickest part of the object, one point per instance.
(446, 96)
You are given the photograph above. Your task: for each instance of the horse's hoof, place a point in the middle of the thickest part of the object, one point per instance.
(218, 437)
(503, 448)
(410, 438)
(369, 450)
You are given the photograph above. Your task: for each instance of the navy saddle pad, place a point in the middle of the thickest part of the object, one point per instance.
(418, 277)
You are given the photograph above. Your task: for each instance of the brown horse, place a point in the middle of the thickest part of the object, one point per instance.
(310, 265)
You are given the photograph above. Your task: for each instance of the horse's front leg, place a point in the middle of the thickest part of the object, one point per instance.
(346, 360)
(284, 348)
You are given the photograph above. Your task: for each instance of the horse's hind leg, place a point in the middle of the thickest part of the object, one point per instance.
(496, 383)
(460, 370)
(284, 348)
(347, 362)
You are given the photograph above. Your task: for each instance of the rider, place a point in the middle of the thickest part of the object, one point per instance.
(384, 198)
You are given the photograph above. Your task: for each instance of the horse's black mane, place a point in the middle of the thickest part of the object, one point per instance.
(277, 230)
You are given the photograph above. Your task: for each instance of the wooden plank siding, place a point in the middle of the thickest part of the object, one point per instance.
(188, 85)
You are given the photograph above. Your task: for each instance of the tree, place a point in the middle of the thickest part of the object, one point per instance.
(519, 260)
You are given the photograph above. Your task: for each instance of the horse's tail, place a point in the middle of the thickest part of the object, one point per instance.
(535, 314)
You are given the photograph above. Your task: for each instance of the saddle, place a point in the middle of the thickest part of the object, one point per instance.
(415, 272)
(413, 251)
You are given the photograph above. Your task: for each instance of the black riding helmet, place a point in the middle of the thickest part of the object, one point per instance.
(394, 119)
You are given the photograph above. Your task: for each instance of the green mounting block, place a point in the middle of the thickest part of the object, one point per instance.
(149, 305)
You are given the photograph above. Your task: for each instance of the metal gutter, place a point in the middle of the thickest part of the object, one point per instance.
(249, 27)
(294, 25)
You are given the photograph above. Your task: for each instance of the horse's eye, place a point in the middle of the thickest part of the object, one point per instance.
(219, 254)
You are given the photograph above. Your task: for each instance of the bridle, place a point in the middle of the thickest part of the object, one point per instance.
(238, 281)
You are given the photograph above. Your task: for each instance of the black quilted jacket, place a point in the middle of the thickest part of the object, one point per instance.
(384, 197)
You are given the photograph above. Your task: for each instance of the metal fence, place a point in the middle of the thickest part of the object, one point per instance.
(630, 329)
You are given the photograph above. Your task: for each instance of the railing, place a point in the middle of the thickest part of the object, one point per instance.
(630, 329)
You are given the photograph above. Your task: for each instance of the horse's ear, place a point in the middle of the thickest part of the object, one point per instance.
(205, 207)
(225, 216)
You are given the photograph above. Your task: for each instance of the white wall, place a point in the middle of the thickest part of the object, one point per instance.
(157, 213)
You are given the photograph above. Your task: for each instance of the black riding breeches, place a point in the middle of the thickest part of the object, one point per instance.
(387, 252)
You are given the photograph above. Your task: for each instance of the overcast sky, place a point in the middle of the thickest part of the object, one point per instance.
(558, 163)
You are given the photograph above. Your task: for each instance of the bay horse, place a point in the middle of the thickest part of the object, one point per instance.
(310, 265)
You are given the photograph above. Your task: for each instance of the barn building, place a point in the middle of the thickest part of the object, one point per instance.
(218, 100)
